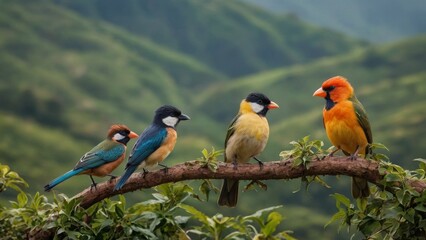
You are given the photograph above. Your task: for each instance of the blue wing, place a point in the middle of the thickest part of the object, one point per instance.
(149, 141)
(105, 152)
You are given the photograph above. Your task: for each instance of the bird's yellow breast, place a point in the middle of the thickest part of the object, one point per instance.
(249, 139)
(343, 128)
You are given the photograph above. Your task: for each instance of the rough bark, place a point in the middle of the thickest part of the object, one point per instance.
(270, 170)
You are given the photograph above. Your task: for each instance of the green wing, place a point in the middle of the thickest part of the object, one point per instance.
(231, 131)
(106, 151)
(361, 115)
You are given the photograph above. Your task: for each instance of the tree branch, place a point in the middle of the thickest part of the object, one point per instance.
(361, 168)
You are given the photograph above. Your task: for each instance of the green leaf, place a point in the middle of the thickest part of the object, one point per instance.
(392, 177)
(341, 199)
(22, 199)
(205, 189)
(260, 212)
(119, 211)
(274, 219)
(378, 146)
(362, 204)
(195, 213)
(421, 208)
(409, 215)
(369, 227)
(205, 153)
(340, 215)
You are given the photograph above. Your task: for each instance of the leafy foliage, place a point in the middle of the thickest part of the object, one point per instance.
(109, 219)
(395, 209)
(302, 154)
(59, 92)
(303, 150)
(226, 228)
(157, 218)
(10, 179)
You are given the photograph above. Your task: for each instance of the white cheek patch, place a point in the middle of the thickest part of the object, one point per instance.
(118, 137)
(170, 121)
(257, 108)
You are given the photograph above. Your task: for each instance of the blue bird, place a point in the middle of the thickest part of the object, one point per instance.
(155, 143)
(103, 158)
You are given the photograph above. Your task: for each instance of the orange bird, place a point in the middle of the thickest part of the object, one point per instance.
(346, 124)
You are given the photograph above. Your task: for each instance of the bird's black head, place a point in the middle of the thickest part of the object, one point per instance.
(260, 103)
(169, 116)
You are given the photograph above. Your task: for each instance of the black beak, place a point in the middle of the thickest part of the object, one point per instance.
(184, 117)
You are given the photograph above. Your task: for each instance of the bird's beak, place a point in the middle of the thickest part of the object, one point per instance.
(133, 135)
(184, 117)
(320, 93)
(272, 105)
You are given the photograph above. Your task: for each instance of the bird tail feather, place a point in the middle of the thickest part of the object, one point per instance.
(62, 178)
(229, 193)
(360, 188)
(129, 171)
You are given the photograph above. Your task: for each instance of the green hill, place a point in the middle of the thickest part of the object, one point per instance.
(372, 20)
(388, 80)
(67, 73)
(79, 74)
(61, 72)
(232, 37)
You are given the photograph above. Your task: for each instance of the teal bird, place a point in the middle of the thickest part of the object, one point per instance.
(102, 159)
(155, 143)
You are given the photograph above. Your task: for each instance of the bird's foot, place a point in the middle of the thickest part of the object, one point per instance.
(112, 177)
(144, 172)
(260, 162)
(331, 154)
(165, 168)
(354, 156)
(235, 165)
(93, 185)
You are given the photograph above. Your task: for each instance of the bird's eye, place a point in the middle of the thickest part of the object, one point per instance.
(328, 89)
(124, 132)
(260, 101)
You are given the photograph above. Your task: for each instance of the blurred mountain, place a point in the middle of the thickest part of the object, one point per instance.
(377, 21)
(232, 37)
(69, 69)
(388, 80)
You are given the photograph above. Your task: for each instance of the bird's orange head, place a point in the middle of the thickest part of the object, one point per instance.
(121, 133)
(335, 89)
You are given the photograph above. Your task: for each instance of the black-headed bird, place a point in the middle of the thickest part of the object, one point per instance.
(246, 138)
(103, 158)
(155, 143)
(346, 123)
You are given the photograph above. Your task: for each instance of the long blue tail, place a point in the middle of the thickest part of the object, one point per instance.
(130, 169)
(62, 178)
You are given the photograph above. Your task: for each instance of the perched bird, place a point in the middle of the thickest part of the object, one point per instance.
(102, 159)
(155, 143)
(346, 124)
(246, 138)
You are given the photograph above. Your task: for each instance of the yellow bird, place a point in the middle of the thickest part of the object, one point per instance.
(246, 138)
